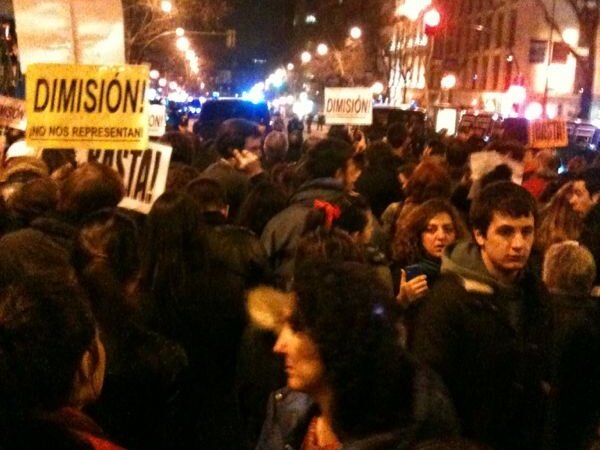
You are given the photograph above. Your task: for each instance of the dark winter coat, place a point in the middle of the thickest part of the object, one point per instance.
(489, 343)
(280, 236)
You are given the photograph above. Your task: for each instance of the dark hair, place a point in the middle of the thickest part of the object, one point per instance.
(57, 158)
(397, 134)
(500, 173)
(182, 145)
(407, 246)
(232, 135)
(429, 180)
(354, 216)
(380, 154)
(591, 177)
(340, 132)
(179, 176)
(503, 197)
(34, 198)
(262, 203)
(347, 312)
(208, 194)
(90, 187)
(46, 326)
(174, 252)
(327, 157)
(437, 147)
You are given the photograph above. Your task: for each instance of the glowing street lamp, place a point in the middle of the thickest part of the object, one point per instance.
(166, 6)
(154, 74)
(162, 82)
(322, 49)
(179, 31)
(190, 54)
(377, 88)
(448, 81)
(183, 43)
(173, 85)
(290, 66)
(305, 57)
(355, 32)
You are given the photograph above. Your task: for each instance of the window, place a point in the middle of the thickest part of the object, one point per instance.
(484, 72)
(496, 72)
(499, 30)
(512, 28)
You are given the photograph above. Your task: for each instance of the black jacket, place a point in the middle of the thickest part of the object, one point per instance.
(489, 342)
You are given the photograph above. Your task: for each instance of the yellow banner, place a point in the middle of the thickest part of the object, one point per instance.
(87, 106)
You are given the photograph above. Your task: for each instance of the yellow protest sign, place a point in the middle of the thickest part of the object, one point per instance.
(548, 133)
(83, 106)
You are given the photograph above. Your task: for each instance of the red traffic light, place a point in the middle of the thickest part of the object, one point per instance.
(432, 19)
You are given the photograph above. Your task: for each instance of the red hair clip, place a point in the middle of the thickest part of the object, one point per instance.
(332, 212)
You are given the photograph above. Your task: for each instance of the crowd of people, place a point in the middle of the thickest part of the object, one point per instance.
(414, 292)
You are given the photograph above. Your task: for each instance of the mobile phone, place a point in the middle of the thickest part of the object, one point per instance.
(412, 271)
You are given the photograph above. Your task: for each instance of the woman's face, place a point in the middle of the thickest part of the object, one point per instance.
(438, 233)
(303, 365)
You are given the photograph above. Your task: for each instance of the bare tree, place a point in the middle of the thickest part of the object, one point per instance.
(587, 13)
(146, 23)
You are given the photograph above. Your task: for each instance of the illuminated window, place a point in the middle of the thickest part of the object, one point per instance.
(311, 18)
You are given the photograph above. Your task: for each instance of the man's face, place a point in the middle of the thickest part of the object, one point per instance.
(253, 145)
(506, 246)
(580, 200)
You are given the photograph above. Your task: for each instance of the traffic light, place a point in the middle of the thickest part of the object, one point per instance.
(432, 20)
(230, 38)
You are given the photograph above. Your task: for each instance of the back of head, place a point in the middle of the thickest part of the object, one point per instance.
(208, 194)
(500, 173)
(179, 175)
(182, 145)
(348, 314)
(327, 157)
(569, 268)
(34, 198)
(275, 147)
(46, 326)
(232, 136)
(429, 180)
(504, 198)
(397, 134)
(380, 154)
(340, 132)
(89, 188)
(591, 177)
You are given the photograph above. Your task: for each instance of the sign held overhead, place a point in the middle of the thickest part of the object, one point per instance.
(12, 113)
(548, 133)
(70, 105)
(352, 106)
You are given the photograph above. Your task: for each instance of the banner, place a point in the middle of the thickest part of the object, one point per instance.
(548, 133)
(12, 113)
(81, 106)
(69, 31)
(144, 172)
(352, 106)
(157, 120)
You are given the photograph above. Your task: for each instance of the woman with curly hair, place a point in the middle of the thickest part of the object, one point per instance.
(349, 384)
(418, 245)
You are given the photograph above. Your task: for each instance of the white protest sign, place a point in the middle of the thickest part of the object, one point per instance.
(157, 120)
(70, 31)
(144, 172)
(12, 113)
(352, 106)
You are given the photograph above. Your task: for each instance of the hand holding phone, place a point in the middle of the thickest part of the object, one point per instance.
(413, 284)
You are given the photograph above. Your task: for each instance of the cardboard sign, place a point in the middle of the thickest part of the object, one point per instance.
(144, 172)
(69, 31)
(157, 120)
(12, 113)
(352, 106)
(548, 133)
(83, 106)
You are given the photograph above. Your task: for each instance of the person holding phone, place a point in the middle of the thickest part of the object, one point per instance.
(418, 244)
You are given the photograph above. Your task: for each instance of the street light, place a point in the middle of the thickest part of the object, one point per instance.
(377, 88)
(179, 31)
(448, 81)
(190, 54)
(290, 66)
(183, 43)
(154, 74)
(166, 6)
(322, 49)
(162, 82)
(355, 32)
(305, 57)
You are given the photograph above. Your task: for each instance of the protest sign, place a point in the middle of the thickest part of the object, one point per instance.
(353, 106)
(144, 172)
(83, 106)
(548, 133)
(69, 31)
(12, 113)
(157, 120)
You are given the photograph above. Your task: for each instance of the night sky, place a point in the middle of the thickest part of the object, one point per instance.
(264, 28)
